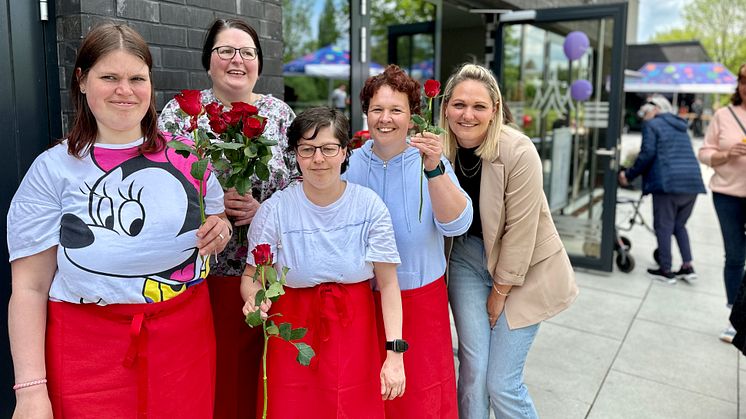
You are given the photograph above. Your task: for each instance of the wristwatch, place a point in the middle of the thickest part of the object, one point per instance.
(439, 170)
(397, 345)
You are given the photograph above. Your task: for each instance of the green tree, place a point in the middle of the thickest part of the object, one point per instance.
(397, 12)
(295, 28)
(328, 30)
(719, 25)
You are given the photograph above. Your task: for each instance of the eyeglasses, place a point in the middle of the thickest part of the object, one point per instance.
(227, 53)
(328, 150)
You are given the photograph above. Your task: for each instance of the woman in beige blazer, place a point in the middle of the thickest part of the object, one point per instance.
(510, 271)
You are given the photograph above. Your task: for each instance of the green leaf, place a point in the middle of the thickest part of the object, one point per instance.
(262, 172)
(418, 120)
(275, 290)
(254, 318)
(266, 141)
(286, 331)
(220, 164)
(181, 148)
(250, 151)
(435, 130)
(228, 146)
(305, 353)
(242, 185)
(298, 333)
(270, 274)
(202, 137)
(259, 298)
(273, 330)
(198, 169)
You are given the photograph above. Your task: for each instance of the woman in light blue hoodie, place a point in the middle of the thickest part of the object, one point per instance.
(391, 164)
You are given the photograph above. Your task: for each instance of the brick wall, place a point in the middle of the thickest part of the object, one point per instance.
(174, 29)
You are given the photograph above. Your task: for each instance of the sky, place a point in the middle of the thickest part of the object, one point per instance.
(658, 16)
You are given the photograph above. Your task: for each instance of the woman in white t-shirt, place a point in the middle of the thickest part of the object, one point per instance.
(334, 237)
(110, 315)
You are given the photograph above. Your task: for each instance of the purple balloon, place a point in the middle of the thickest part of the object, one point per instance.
(575, 45)
(581, 90)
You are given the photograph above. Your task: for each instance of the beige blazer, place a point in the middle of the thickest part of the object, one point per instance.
(521, 243)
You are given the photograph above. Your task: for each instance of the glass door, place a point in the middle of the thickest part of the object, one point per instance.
(561, 72)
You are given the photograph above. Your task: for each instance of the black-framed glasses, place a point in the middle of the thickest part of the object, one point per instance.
(328, 150)
(226, 52)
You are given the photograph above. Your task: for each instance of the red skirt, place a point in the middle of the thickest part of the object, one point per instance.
(132, 360)
(239, 351)
(343, 380)
(431, 374)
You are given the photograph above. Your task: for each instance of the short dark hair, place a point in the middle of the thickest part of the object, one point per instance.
(735, 99)
(398, 81)
(317, 119)
(102, 40)
(219, 25)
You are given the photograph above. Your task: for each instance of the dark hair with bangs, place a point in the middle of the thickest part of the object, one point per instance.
(102, 40)
(219, 25)
(735, 99)
(398, 81)
(316, 119)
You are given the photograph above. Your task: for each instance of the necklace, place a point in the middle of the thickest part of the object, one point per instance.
(468, 172)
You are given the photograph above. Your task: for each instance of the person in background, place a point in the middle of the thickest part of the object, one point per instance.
(340, 99)
(232, 57)
(335, 237)
(697, 110)
(724, 149)
(109, 314)
(509, 271)
(391, 164)
(670, 172)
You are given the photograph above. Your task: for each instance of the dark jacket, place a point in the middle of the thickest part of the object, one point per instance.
(666, 160)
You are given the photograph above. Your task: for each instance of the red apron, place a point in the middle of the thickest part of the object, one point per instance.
(132, 360)
(431, 374)
(239, 351)
(343, 380)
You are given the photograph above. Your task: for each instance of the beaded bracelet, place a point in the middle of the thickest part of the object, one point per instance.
(29, 383)
(504, 294)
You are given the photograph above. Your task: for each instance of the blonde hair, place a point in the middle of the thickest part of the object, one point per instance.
(490, 147)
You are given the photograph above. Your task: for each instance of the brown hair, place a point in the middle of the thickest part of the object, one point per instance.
(398, 81)
(735, 99)
(102, 40)
(220, 25)
(317, 119)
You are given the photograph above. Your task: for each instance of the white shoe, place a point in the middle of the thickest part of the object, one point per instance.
(728, 334)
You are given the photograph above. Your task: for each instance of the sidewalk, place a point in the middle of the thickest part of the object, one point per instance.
(631, 347)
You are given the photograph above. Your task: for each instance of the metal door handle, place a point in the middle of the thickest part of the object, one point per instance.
(610, 152)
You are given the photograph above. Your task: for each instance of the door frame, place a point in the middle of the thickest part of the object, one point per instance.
(618, 14)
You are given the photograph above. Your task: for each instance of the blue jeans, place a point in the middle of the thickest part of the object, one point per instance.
(491, 361)
(670, 214)
(731, 211)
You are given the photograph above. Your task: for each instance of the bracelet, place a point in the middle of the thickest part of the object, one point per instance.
(19, 386)
(504, 294)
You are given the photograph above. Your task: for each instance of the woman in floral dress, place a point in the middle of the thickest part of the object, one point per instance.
(233, 59)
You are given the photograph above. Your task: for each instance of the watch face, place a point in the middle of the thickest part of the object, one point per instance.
(400, 345)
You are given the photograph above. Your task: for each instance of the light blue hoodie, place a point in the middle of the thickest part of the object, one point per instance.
(397, 182)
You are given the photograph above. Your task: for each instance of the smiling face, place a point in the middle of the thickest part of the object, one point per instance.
(118, 90)
(389, 117)
(470, 111)
(235, 77)
(321, 174)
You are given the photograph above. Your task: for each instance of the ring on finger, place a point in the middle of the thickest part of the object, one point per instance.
(222, 237)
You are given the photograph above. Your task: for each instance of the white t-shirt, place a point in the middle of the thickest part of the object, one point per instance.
(124, 223)
(335, 243)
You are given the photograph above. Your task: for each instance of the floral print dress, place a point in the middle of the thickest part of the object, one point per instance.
(282, 167)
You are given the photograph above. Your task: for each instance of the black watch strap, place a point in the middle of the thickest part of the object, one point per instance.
(439, 170)
(397, 345)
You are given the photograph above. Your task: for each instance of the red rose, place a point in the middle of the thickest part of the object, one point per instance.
(253, 126)
(190, 101)
(362, 134)
(218, 125)
(432, 88)
(262, 255)
(213, 109)
(232, 117)
(245, 109)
